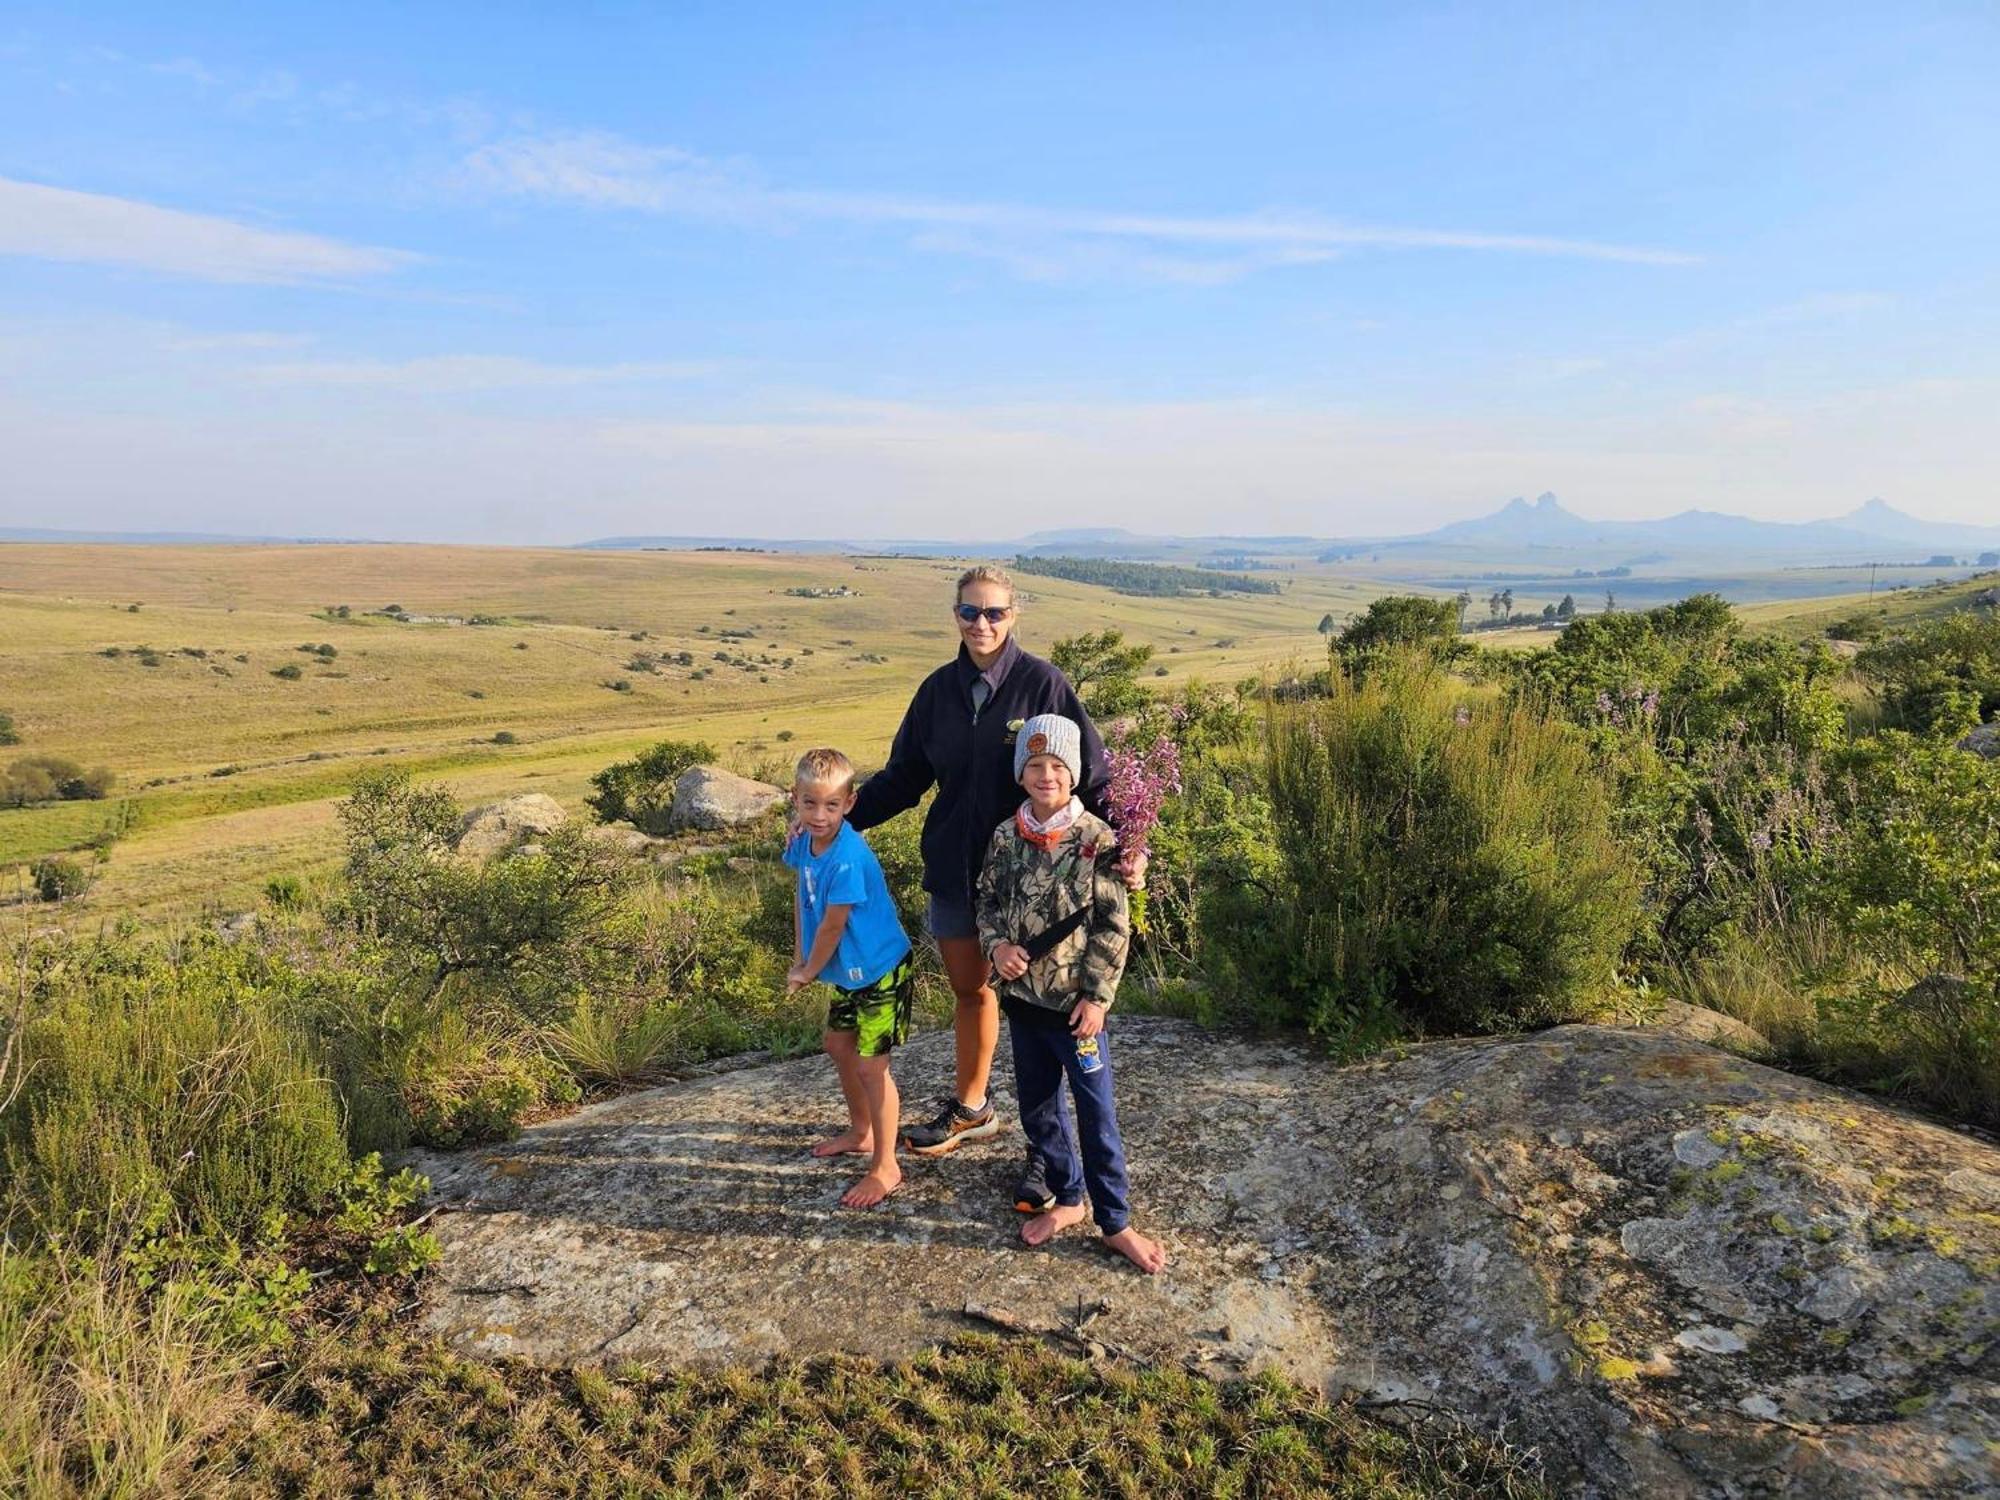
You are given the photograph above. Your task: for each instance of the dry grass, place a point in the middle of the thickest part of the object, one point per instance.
(105, 1389)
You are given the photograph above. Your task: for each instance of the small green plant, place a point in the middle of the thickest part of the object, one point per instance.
(8, 734)
(506, 737)
(616, 1042)
(289, 672)
(285, 891)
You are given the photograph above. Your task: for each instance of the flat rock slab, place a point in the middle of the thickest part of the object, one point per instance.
(1672, 1271)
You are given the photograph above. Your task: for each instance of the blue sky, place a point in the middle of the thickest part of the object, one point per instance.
(532, 273)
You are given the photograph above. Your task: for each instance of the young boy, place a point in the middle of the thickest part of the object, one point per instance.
(846, 932)
(1054, 924)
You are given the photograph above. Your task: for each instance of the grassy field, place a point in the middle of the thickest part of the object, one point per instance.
(229, 772)
(1891, 608)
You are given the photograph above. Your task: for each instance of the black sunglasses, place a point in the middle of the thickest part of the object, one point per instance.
(994, 613)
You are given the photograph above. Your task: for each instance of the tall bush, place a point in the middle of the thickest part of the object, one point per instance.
(1451, 860)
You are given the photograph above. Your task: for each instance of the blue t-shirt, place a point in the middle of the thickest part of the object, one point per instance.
(848, 874)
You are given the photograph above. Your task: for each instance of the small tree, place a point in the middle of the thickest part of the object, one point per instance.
(1104, 671)
(1567, 609)
(1610, 602)
(1326, 624)
(1464, 603)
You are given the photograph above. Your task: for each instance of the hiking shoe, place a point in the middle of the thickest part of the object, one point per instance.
(1031, 1193)
(951, 1127)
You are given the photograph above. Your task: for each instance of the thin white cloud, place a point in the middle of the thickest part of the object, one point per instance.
(608, 171)
(52, 223)
(441, 374)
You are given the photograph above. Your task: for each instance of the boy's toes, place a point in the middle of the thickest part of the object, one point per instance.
(1044, 1227)
(872, 1189)
(847, 1143)
(1148, 1255)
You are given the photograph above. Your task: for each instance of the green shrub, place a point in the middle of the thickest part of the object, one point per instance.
(458, 1087)
(289, 672)
(51, 778)
(59, 879)
(1450, 860)
(1940, 678)
(641, 790)
(284, 891)
(506, 737)
(8, 734)
(1861, 626)
(524, 930)
(165, 1079)
(1401, 622)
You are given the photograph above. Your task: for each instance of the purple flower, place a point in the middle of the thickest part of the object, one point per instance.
(1760, 840)
(1140, 781)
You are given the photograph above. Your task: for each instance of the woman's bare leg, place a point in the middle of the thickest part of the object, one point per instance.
(976, 1023)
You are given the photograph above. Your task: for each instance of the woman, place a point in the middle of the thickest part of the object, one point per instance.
(958, 735)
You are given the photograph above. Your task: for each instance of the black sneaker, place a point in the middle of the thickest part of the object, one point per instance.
(1031, 1193)
(951, 1127)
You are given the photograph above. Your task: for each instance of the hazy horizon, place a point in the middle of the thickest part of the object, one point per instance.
(887, 272)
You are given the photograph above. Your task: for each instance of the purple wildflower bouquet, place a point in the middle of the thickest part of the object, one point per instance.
(1141, 779)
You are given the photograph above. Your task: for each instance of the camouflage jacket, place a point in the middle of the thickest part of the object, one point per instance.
(1025, 887)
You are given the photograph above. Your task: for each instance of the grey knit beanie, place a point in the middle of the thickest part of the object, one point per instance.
(1050, 734)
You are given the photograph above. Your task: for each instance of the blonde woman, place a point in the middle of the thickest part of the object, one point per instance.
(958, 735)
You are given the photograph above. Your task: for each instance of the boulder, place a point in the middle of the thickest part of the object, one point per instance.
(711, 798)
(1670, 1271)
(488, 830)
(1697, 1023)
(1985, 740)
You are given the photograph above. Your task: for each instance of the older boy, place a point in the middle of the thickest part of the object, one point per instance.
(846, 932)
(1053, 922)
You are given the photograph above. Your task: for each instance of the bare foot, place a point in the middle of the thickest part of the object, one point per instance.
(849, 1142)
(1045, 1227)
(873, 1188)
(1147, 1255)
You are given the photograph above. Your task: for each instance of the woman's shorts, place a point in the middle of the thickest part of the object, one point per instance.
(946, 918)
(879, 1016)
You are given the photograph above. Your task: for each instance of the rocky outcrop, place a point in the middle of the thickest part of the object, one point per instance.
(1985, 740)
(500, 826)
(710, 798)
(1672, 1271)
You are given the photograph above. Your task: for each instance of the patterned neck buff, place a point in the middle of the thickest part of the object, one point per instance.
(1060, 820)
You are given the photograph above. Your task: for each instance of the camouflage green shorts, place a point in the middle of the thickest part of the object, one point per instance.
(879, 1016)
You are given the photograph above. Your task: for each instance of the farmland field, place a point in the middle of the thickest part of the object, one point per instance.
(229, 771)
